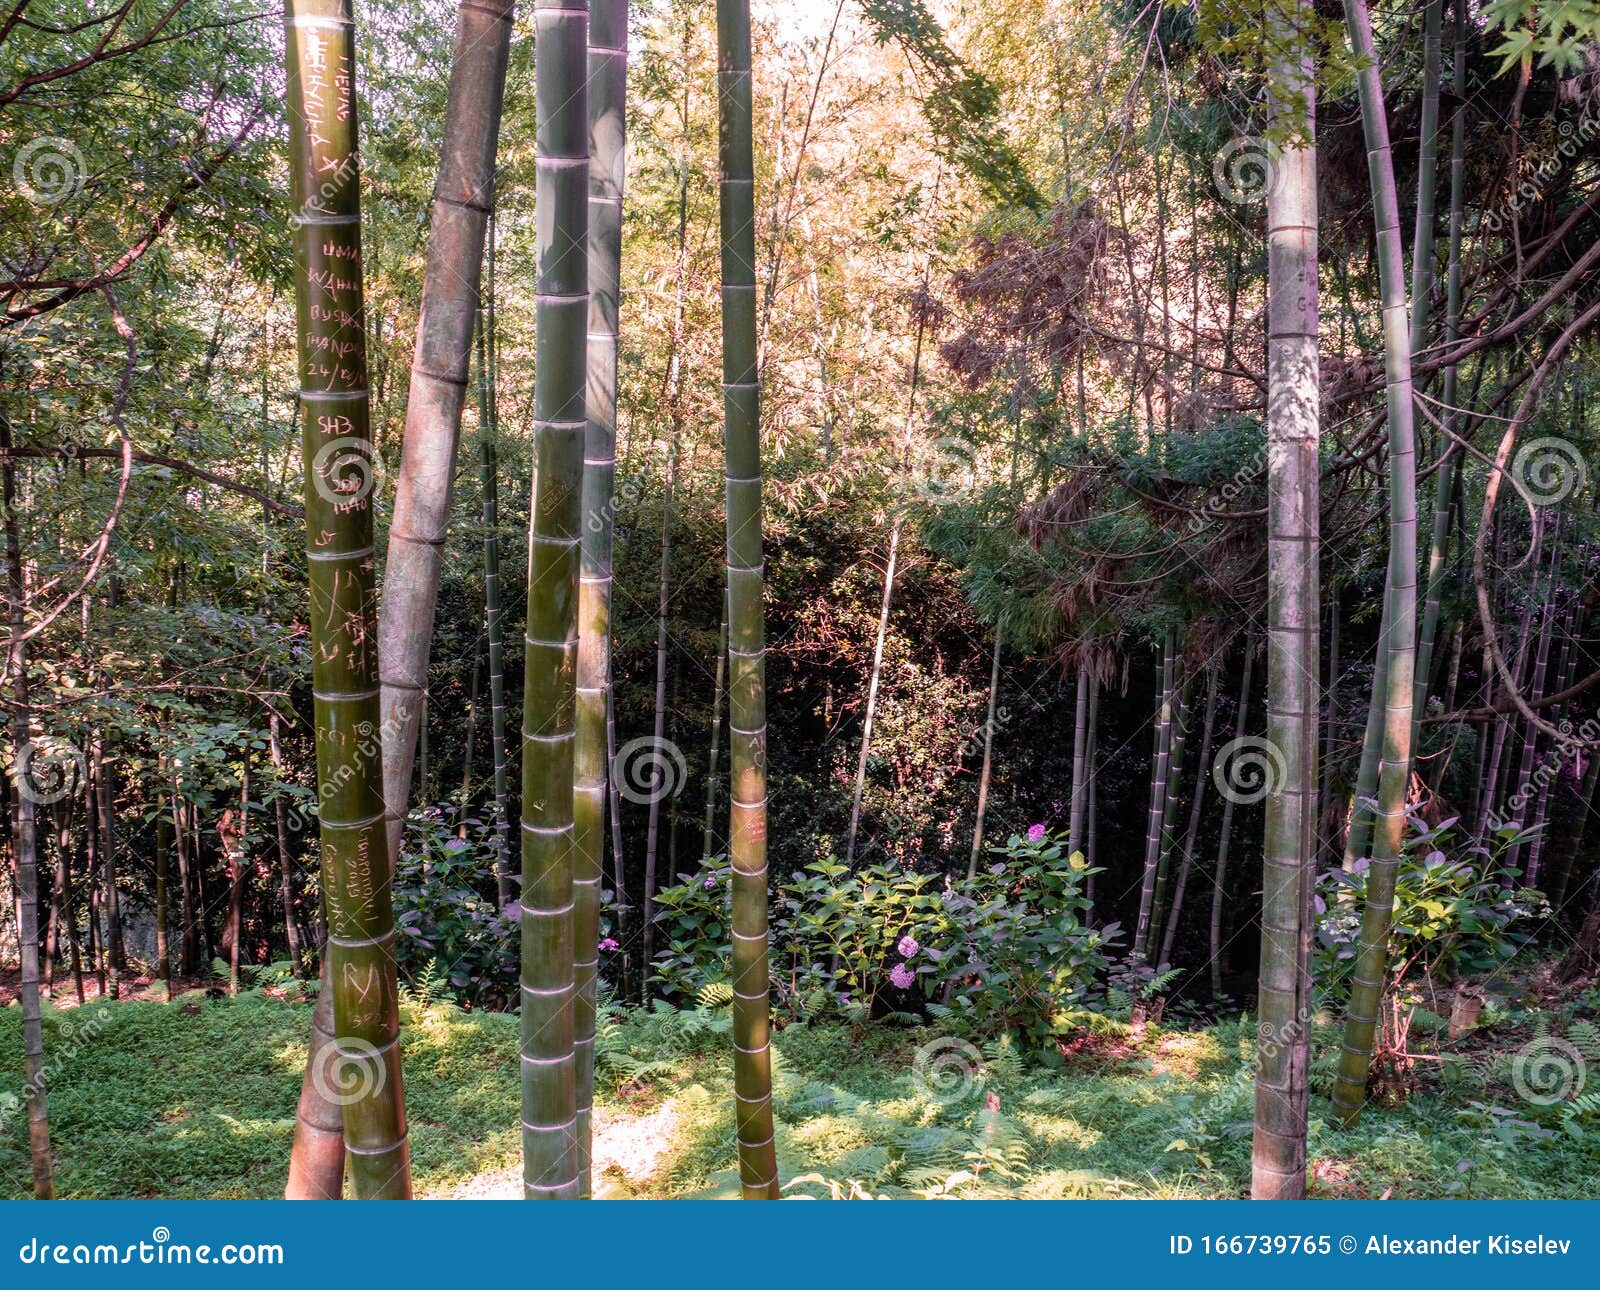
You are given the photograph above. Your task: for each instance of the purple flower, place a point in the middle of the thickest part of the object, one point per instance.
(901, 976)
(608, 945)
(711, 881)
(1035, 832)
(907, 947)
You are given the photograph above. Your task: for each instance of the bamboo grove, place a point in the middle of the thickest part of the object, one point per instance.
(1026, 539)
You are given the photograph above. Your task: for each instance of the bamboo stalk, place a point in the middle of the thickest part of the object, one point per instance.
(608, 87)
(494, 627)
(337, 447)
(549, 1089)
(1400, 597)
(747, 697)
(1282, 1087)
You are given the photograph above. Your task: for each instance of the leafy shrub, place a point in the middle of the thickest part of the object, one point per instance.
(1004, 951)
(1456, 913)
(694, 920)
(1016, 953)
(449, 920)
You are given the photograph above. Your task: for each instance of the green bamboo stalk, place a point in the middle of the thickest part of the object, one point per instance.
(1169, 818)
(718, 689)
(1282, 1090)
(1080, 754)
(1421, 301)
(1161, 759)
(1196, 808)
(325, 178)
(608, 85)
(1219, 883)
(1400, 597)
(549, 1090)
(489, 489)
(747, 697)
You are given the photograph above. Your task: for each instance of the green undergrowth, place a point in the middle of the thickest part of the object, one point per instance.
(196, 1099)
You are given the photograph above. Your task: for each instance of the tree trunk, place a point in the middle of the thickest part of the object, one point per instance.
(316, 1161)
(280, 810)
(105, 794)
(189, 940)
(987, 769)
(163, 848)
(747, 700)
(462, 197)
(25, 838)
(1400, 595)
(872, 690)
(339, 480)
(1195, 807)
(1278, 1158)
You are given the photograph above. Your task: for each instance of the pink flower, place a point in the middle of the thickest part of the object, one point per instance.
(901, 976)
(711, 881)
(608, 945)
(907, 947)
(1035, 832)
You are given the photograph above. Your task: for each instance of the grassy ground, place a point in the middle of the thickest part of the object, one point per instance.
(196, 1099)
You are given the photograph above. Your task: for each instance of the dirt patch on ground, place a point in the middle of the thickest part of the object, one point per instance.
(629, 1150)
